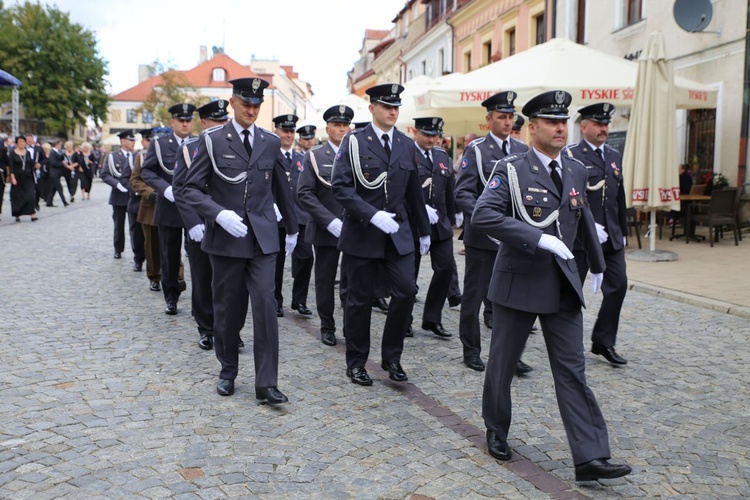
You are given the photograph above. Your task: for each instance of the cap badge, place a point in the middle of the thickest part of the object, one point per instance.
(220, 103)
(184, 108)
(434, 121)
(289, 118)
(256, 84)
(606, 107)
(559, 97)
(511, 96)
(440, 123)
(342, 109)
(394, 89)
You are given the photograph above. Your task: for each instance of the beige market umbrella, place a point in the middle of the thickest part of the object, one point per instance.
(650, 156)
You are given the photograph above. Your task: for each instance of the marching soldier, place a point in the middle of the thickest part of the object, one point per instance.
(306, 139)
(213, 114)
(606, 195)
(326, 215)
(435, 170)
(235, 177)
(157, 171)
(517, 126)
(115, 164)
(134, 203)
(535, 205)
(376, 181)
(480, 157)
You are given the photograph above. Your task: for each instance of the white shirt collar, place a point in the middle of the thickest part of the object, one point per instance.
(334, 147)
(239, 129)
(285, 151)
(500, 141)
(179, 140)
(546, 160)
(380, 133)
(594, 148)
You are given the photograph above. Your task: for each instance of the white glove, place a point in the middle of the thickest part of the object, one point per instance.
(459, 219)
(196, 232)
(384, 221)
(232, 223)
(554, 245)
(289, 243)
(278, 214)
(596, 281)
(335, 227)
(432, 214)
(624, 241)
(424, 244)
(121, 188)
(168, 194)
(601, 233)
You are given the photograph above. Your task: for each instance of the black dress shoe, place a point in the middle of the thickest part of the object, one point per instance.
(181, 285)
(137, 267)
(475, 363)
(50, 205)
(522, 368)
(609, 354)
(395, 372)
(72, 199)
(497, 448)
(271, 395)
(409, 331)
(302, 309)
(380, 304)
(534, 328)
(454, 300)
(171, 308)
(118, 255)
(65, 204)
(488, 323)
(435, 328)
(359, 376)
(225, 387)
(601, 469)
(240, 344)
(206, 342)
(280, 312)
(154, 286)
(328, 338)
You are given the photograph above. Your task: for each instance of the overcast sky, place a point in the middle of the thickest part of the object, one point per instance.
(320, 38)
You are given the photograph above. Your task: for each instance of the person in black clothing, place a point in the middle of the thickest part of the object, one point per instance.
(22, 185)
(85, 161)
(56, 171)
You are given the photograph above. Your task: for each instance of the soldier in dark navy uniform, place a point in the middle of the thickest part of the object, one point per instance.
(134, 203)
(114, 165)
(606, 195)
(306, 139)
(376, 181)
(480, 157)
(302, 258)
(236, 176)
(435, 170)
(326, 217)
(213, 114)
(517, 126)
(157, 171)
(535, 205)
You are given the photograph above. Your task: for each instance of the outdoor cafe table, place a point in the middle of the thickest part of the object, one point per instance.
(687, 225)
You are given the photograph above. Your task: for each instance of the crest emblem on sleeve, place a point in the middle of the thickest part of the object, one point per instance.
(494, 183)
(464, 163)
(195, 153)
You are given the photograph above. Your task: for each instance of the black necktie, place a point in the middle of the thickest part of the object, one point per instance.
(505, 148)
(555, 176)
(288, 157)
(387, 145)
(600, 154)
(429, 160)
(246, 143)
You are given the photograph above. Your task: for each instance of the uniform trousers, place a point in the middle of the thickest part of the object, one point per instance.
(326, 267)
(170, 246)
(614, 288)
(118, 216)
(477, 274)
(152, 252)
(136, 238)
(200, 283)
(234, 280)
(362, 273)
(302, 266)
(563, 336)
(454, 288)
(441, 258)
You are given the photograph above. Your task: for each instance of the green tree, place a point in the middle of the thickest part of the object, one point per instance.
(58, 64)
(173, 88)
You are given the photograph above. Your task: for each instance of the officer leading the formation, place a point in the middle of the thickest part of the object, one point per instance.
(326, 217)
(480, 157)
(376, 181)
(606, 195)
(235, 178)
(535, 205)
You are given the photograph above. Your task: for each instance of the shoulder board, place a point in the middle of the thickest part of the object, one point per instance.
(436, 148)
(514, 156)
(315, 148)
(575, 160)
(267, 131)
(211, 130)
(477, 141)
(607, 146)
(358, 130)
(190, 140)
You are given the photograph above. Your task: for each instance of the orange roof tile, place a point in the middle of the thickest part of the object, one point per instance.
(376, 34)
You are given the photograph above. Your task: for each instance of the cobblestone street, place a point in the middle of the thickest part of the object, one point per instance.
(105, 396)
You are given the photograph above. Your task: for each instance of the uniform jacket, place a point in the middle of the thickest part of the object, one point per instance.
(439, 191)
(526, 277)
(607, 203)
(293, 170)
(317, 197)
(134, 199)
(404, 194)
(156, 175)
(111, 174)
(469, 184)
(190, 216)
(252, 199)
(147, 207)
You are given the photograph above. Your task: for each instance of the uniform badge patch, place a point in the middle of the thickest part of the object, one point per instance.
(442, 165)
(464, 163)
(573, 192)
(338, 155)
(300, 167)
(614, 167)
(494, 183)
(537, 212)
(195, 153)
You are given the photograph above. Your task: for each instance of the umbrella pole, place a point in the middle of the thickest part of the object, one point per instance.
(652, 230)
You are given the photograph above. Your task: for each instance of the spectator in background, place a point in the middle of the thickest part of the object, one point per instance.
(71, 172)
(85, 160)
(43, 184)
(56, 168)
(3, 168)
(686, 180)
(22, 185)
